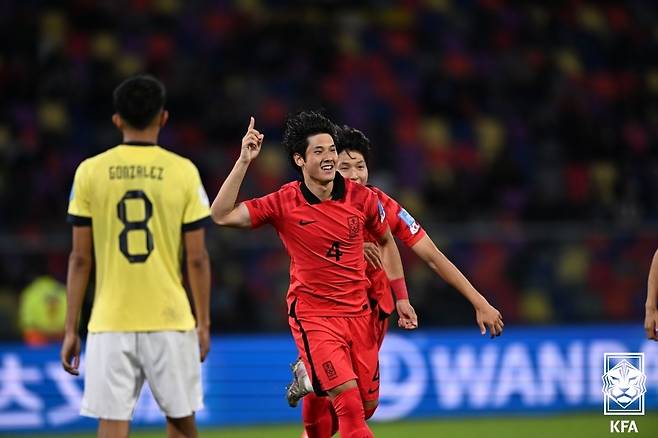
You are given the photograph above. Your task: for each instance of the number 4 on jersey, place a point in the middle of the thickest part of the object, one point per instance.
(334, 251)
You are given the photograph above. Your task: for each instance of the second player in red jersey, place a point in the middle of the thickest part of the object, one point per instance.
(354, 149)
(408, 231)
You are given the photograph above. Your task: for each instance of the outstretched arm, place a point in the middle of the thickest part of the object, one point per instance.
(486, 315)
(651, 316)
(223, 210)
(390, 257)
(77, 278)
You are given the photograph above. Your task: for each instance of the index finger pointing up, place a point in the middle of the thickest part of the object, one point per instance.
(252, 122)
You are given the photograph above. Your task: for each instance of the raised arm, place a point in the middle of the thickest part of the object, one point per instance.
(390, 257)
(487, 316)
(224, 211)
(651, 316)
(77, 278)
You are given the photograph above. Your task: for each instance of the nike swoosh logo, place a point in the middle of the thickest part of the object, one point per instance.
(303, 222)
(371, 391)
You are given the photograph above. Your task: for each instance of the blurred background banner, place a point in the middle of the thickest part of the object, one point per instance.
(428, 373)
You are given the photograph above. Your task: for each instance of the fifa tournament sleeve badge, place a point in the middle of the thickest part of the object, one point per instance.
(381, 211)
(409, 220)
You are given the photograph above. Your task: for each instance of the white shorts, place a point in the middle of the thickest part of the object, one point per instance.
(116, 364)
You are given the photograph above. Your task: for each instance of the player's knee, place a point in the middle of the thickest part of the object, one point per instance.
(183, 427)
(113, 428)
(350, 384)
(369, 408)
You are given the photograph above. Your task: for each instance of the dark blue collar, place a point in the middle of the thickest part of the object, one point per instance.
(138, 143)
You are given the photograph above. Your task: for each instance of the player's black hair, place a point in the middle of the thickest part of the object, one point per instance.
(300, 127)
(139, 99)
(351, 139)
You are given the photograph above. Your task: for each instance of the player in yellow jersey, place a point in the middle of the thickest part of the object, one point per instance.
(138, 205)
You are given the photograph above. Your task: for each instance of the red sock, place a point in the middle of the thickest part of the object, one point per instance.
(317, 416)
(349, 409)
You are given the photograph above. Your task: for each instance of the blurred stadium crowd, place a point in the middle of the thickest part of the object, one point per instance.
(522, 135)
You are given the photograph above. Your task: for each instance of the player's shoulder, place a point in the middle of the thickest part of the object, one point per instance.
(285, 192)
(182, 169)
(292, 186)
(178, 160)
(359, 196)
(356, 188)
(379, 192)
(384, 197)
(358, 193)
(88, 164)
(288, 192)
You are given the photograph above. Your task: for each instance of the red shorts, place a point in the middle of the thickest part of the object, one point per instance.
(379, 325)
(338, 349)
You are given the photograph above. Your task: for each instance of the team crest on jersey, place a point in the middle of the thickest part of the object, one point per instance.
(353, 224)
(329, 370)
(382, 212)
(409, 220)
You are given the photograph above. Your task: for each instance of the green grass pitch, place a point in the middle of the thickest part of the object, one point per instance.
(563, 426)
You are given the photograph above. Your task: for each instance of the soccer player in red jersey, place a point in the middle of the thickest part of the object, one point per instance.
(354, 148)
(322, 221)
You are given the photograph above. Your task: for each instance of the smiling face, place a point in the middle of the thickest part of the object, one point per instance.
(319, 163)
(352, 165)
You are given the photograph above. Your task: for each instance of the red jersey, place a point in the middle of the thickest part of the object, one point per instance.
(404, 227)
(324, 240)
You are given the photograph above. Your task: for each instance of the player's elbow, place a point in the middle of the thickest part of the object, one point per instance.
(223, 222)
(79, 260)
(434, 266)
(384, 240)
(432, 260)
(220, 218)
(198, 260)
(217, 217)
(233, 219)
